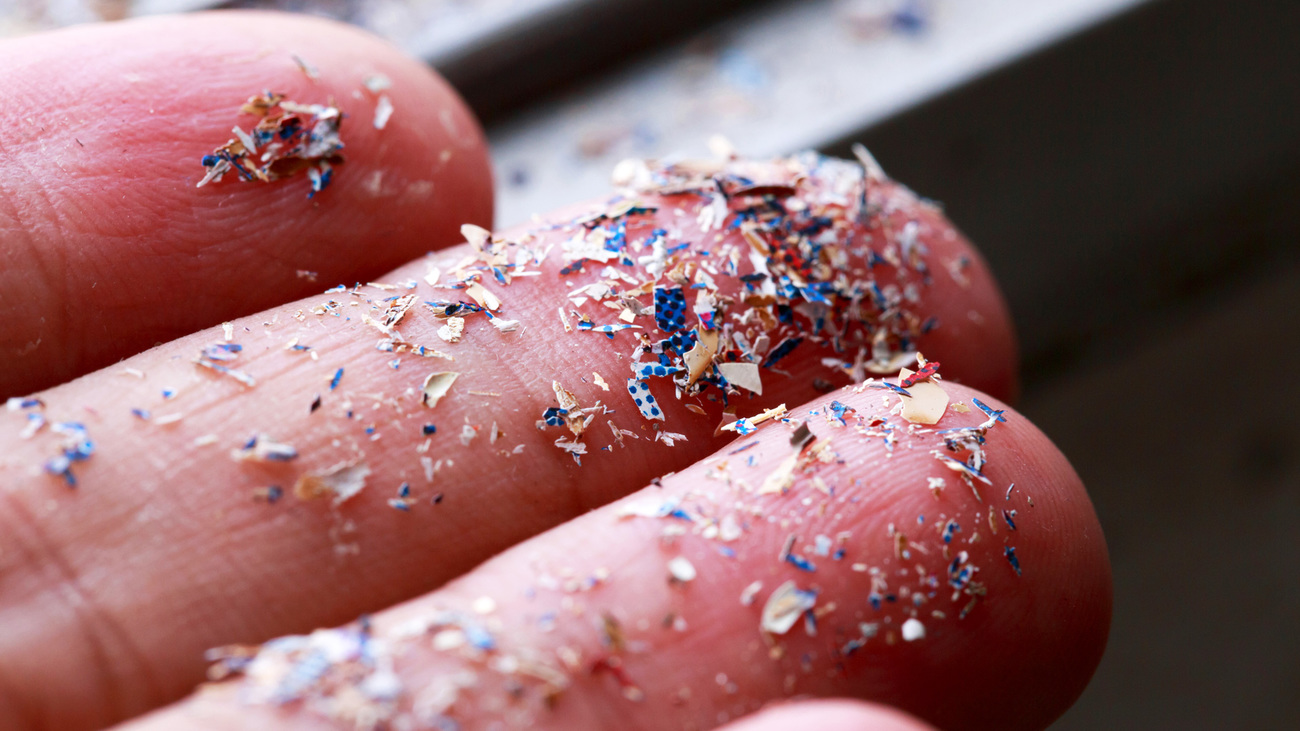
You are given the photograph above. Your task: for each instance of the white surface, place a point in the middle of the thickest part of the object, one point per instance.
(781, 80)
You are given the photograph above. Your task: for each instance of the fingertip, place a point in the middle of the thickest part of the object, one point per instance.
(114, 247)
(835, 714)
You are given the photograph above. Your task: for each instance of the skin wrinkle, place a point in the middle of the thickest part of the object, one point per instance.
(108, 641)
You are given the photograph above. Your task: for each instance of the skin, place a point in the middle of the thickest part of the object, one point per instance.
(110, 593)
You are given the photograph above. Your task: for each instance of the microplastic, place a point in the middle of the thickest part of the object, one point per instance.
(436, 385)
(341, 482)
(784, 607)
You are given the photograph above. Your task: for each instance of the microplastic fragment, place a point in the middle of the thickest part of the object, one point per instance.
(306, 68)
(261, 448)
(927, 403)
(742, 375)
(926, 371)
(437, 385)
(1011, 558)
(802, 436)
(342, 481)
(289, 138)
(645, 402)
(773, 413)
(467, 434)
(334, 381)
(960, 467)
(504, 325)
(913, 630)
(681, 569)
(780, 479)
(800, 562)
(749, 592)
(993, 414)
(700, 357)
(377, 82)
(452, 331)
(383, 111)
(238, 375)
(785, 606)
(481, 295)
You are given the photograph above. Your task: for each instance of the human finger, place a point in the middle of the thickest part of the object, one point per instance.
(840, 554)
(167, 544)
(824, 715)
(106, 245)
(829, 715)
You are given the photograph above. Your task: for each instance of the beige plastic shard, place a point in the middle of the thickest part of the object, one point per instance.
(928, 401)
(437, 385)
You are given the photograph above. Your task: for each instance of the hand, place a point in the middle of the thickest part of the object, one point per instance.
(522, 594)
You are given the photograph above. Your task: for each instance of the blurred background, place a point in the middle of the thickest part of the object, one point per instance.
(1131, 169)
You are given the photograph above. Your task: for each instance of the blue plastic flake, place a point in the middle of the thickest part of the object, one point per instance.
(838, 410)
(781, 350)
(222, 351)
(320, 178)
(1010, 517)
(727, 551)
(1011, 558)
(404, 490)
(959, 572)
(886, 385)
(576, 266)
(644, 371)
(645, 402)
(479, 637)
(168, 393)
(428, 429)
(142, 414)
(949, 529)
(800, 562)
(670, 308)
(274, 493)
(61, 466)
(964, 468)
(77, 447)
(608, 330)
(338, 376)
(991, 413)
(554, 416)
(810, 623)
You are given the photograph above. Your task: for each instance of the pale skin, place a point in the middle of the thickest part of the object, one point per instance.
(109, 593)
